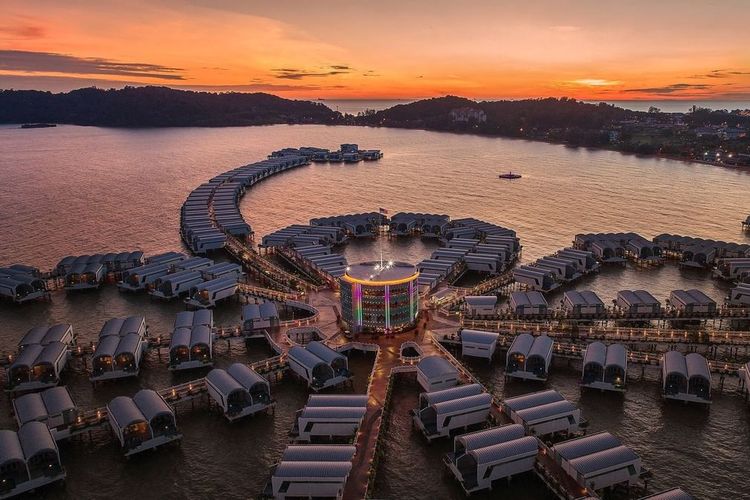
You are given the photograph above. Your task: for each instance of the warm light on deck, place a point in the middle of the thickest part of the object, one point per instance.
(375, 282)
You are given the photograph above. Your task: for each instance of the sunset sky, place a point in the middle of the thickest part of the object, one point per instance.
(626, 50)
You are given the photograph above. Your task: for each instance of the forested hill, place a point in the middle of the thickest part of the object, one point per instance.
(507, 118)
(690, 135)
(158, 107)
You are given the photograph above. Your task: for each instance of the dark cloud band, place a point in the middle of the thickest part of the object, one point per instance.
(299, 74)
(49, 62)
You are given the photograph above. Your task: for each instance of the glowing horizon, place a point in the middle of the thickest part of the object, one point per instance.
(342, 49)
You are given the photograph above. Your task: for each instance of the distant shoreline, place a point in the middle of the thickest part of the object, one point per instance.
(559, 143)
(677, 136)
(354, 106)
(17, 126)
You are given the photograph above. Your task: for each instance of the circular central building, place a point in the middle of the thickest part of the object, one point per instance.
(379, 297)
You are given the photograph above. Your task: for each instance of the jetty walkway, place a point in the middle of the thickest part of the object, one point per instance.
(659, 336)
(612, 314)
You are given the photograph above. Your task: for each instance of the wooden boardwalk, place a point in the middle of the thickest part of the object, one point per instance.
(266, 293)
(312, 274)
(387, 364)
(613, 314)
(265, 271)
(616, 333)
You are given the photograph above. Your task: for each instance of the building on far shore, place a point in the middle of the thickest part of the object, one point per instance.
(467, 115)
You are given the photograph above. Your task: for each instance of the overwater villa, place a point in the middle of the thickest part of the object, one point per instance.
(686, 378)
(29, 459)
(53, 407)
(143, 422)
(605, 367)
(544, 413)
(483, 457)
(239, 391)
(319, 365)
(478, 343)
(529, 357)
(598, 461)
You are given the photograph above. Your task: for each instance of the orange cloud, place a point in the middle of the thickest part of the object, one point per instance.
(397, 50)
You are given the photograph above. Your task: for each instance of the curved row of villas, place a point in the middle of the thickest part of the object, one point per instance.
(167, 275)
(563, 267)
(349, 153)
(619, 247)
(700, 252)
(172, 275)
(21, 283)
(730, 261)
(586, 304)
(211, 214)
(211, 211)
(468, 244)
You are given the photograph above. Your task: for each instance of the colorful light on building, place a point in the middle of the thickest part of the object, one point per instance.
(412, 302)
(358, 303)
(379, 297)
(387, 307)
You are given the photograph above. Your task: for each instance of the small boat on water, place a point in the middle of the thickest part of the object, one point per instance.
(510, 175)
(38, 125)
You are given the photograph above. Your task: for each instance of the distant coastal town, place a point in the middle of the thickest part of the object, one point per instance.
(705, 135)
(717, 137)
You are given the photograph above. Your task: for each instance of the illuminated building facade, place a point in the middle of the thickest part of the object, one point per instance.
(379, 297)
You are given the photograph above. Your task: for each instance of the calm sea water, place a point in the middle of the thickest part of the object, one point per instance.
(73, 190)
